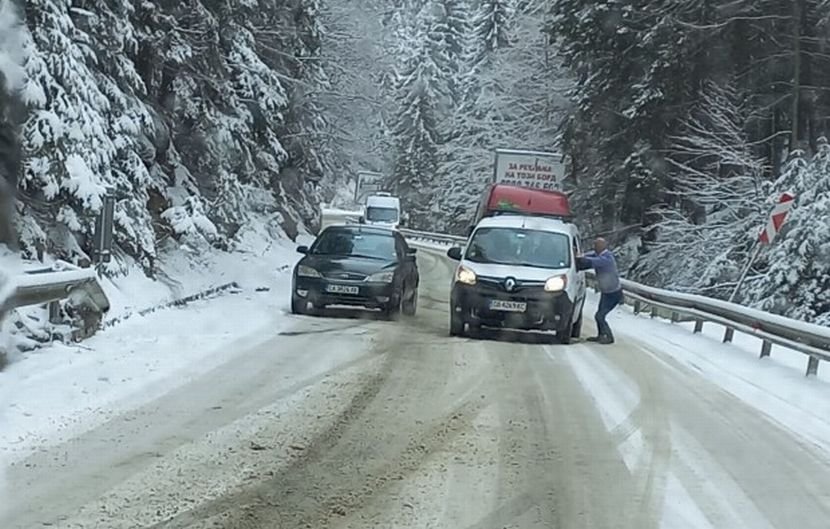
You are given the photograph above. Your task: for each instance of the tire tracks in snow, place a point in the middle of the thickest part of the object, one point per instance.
(398, 420)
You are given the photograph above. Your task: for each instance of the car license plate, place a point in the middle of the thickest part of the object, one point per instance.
(508, 306)
(341, 289)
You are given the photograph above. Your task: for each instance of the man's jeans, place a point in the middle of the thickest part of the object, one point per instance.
(607, 302)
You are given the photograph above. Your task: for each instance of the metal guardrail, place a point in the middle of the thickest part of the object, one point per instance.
(63, 280)
(809, 339)
(429, 236)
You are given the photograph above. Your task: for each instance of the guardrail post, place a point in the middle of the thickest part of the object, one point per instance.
(766, 349)
(637, 306)
(675, 317)
(698, 326)
(653, 311)
(812, 366)
(727, 336)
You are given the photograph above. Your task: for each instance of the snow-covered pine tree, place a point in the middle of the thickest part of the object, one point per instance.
(416, 133)
(508, 101)
(712, 214)
(639, 69)
(492, 28)
(451, 30)
(178, 106)
(80, 135)
(305, 130)
(797, 280)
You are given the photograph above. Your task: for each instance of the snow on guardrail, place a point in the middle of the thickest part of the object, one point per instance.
(44, 285)
(36, 287)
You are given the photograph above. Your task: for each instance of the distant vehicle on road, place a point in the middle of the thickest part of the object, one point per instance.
(356, 265)
(518, 272)
(382, 209)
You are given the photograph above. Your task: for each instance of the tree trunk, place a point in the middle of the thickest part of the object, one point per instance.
(795, 138)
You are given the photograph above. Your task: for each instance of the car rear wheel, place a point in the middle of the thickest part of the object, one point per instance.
(456, 323)
(410, 303)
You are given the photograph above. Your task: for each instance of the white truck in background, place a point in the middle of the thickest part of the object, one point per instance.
(382, 209)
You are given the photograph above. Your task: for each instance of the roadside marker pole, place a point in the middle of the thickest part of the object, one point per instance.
(767, 235)
(749, 264)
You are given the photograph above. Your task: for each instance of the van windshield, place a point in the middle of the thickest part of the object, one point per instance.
(520, 247)
(379, 214)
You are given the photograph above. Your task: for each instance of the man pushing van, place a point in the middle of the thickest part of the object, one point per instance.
(603, 262)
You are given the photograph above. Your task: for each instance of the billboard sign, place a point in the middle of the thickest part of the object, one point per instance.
(368, 182)
(531, 169)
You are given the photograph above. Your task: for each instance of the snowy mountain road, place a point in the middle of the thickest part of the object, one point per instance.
(357, 423)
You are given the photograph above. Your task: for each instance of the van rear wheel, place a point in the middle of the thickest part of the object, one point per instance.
(576, 330)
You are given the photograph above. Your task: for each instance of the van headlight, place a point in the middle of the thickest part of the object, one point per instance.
(307, 271)
(556, 283)
(381, 277)
(465, 275)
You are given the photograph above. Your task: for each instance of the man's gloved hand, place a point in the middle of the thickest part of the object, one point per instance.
(583, 264)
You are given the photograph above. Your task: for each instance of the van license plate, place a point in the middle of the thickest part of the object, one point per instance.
(341, 289)
(508, 306)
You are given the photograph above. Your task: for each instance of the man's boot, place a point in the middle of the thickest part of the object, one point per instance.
(606, 339)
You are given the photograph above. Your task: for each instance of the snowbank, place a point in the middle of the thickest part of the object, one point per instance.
(59, 391)
(339, 212)
(775, 385)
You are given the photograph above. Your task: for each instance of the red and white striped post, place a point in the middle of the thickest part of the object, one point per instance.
(768, 233)
(777, 218)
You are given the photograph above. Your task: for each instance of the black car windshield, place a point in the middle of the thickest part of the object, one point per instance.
(520, 247)
(355, 243)
(376, 214)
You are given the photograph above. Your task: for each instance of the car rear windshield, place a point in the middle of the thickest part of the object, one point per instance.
(355, 243)
(376, 214)
(520, 247)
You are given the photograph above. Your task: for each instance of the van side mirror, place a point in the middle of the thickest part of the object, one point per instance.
(470, 230)
(302, 249)
(454, 253)
(362, 220)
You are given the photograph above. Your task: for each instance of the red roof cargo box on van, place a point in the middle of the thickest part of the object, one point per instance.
(500, 199)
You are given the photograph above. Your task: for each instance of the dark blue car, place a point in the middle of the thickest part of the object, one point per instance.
(356, 265)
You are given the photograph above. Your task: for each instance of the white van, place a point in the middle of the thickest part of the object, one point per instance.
(382, 209)
(519, 272)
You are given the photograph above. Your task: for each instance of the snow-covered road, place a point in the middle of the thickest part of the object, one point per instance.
(345, 422)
